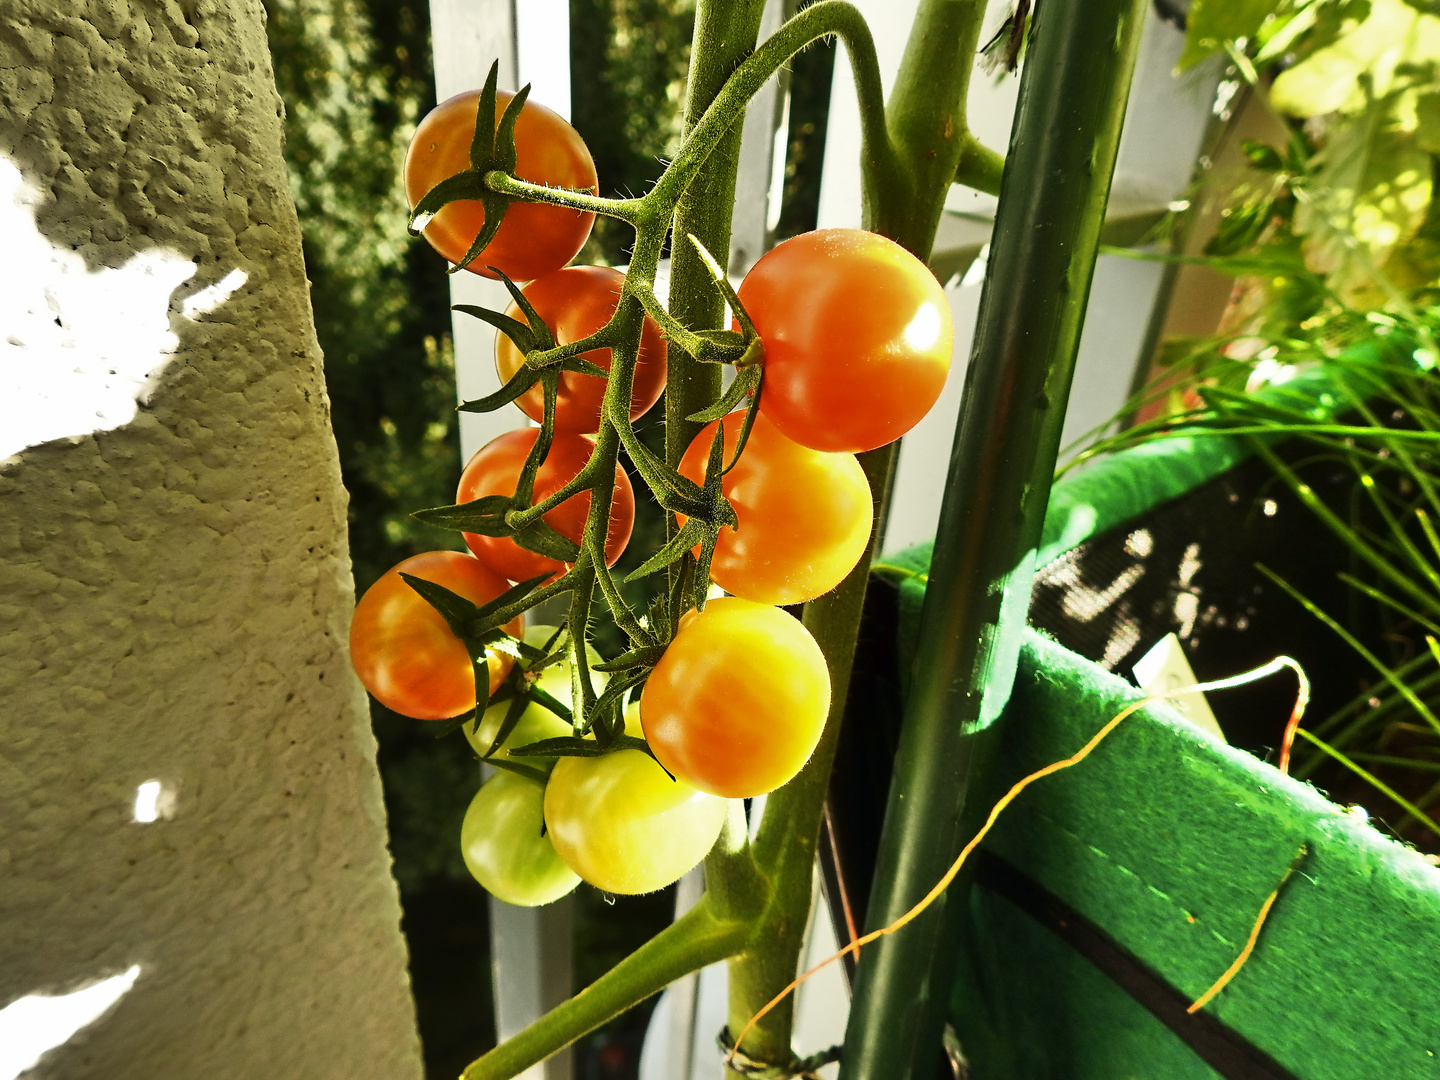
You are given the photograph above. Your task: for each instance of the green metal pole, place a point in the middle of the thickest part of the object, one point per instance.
(1052, 204)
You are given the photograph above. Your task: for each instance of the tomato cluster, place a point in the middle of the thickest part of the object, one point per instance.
(626, 785)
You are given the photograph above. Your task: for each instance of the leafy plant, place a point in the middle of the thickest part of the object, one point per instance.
(1333, 237)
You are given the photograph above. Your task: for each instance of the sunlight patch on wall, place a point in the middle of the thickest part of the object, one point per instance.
(79, 347)
(37, 1023)
(154, 801)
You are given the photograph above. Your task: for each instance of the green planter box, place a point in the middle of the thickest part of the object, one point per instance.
(1111, 895)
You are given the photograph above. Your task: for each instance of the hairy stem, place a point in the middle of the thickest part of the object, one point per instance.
(698, 938)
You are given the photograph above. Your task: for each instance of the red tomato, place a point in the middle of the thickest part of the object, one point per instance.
(857, 337)
(804, 515)
(574, 303)
(495, 470)
(737, 704)
(403, 650)
(535, 238)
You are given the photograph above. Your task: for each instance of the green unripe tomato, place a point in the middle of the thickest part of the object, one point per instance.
(502, 844)
(623, 825)
(536, 722)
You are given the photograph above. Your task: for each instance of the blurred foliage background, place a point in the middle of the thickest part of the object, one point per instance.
(355, 76)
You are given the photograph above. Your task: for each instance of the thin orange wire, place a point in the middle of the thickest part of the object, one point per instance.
(1302, 699)
(1234, 969)
(1080, 755)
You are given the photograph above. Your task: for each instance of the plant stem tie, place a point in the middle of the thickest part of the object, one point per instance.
(1278, 664)
(797, 1068)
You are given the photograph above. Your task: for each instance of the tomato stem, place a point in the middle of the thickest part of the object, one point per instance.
(698, 938)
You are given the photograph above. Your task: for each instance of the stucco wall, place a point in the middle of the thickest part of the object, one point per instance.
(174, 584)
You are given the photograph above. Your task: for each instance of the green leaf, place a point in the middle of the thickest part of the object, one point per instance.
(512, 717)
(556, 706)
(1378, 49)
(519, 384)
(584, 367)
(1212, 24)
(748, 424)
(462, 186)
(455, 723)
(509, 765)
(690, 534)
(746, 380)
(510, 596)
(643, 655)
(523, 336)
(676, 493)
(543, 540)
(453, 608)
(1262, 156)
(563, 746)
(1367, 196)
(485, 516)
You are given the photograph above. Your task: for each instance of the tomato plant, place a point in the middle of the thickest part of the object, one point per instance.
(403, 649)
(737, 703)
(534, 238)
(495, 470)
(504, 843)
(623, 825)
(852, 339)
(574, 303)
(857, 336)
(804, 515)
(536, 722)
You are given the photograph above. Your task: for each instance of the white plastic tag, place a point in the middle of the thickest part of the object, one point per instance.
(1164, 668)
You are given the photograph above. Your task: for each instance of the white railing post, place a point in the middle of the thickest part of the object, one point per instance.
(530, 948)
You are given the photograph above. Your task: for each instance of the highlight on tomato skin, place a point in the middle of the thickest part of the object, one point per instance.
(803, 515)
(575, 302)
(857, 335)
(403, 650)
(534, 238)
(738, 702)
(495, 470)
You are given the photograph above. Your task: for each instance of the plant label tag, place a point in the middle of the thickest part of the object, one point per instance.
(1163, 669)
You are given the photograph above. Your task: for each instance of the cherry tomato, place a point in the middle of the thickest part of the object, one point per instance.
(495, 470)
(574, 303)
(737, 704)
(534, 238)
(804, 515)
(504, 845)
(536, 722)
(403, 650)
(857, 338)
(623, 825)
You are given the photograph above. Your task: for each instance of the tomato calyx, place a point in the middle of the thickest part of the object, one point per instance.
(493, 150)
(544, 359)
(480, 628)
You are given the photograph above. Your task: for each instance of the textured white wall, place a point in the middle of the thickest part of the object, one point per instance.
(174, 579)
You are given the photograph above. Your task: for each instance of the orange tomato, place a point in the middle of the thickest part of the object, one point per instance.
(495, 470)
(535, 238)
(804, 515)
(738, 702)
(574, 303)
(402, 648)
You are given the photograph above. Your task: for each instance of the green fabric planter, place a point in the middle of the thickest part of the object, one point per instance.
(1169, 841)
(1111, 895)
